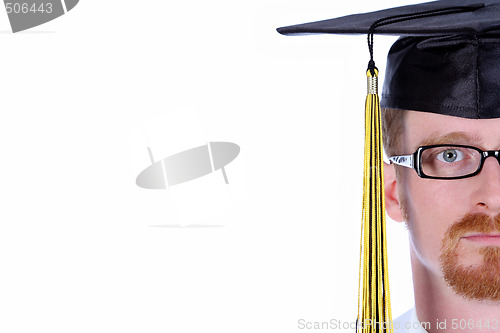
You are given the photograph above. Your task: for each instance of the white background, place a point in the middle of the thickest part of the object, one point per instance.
(83, 249)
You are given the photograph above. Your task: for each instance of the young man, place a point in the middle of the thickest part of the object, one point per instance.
(441, 122)
(454, 224)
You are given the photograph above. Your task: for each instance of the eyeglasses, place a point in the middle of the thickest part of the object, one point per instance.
(446, 161)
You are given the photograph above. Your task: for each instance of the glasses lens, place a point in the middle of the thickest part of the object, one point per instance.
(450, 161)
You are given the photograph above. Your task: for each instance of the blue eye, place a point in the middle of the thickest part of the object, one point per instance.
(450, 156)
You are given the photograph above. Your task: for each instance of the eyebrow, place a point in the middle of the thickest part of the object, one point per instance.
(450, 138)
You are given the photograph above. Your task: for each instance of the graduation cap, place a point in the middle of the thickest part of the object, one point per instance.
(447, 61)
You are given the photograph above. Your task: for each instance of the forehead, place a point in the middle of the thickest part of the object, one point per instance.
(423, 128)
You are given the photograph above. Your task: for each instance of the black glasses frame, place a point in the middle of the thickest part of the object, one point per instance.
(414, 161)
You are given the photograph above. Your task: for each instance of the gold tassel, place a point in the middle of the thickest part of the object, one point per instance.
(374, 305)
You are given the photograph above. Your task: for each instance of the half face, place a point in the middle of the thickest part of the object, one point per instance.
(453, 222)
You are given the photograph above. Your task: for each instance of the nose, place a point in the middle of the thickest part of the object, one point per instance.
(487, 195)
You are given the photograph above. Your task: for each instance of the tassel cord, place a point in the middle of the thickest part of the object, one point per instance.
(408, 17)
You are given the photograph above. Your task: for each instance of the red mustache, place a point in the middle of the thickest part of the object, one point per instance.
(483, 280)
(470, 223)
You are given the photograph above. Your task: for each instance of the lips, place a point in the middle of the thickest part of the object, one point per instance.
(484, 239)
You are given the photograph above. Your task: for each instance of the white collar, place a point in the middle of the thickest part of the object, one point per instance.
(414, 319)
(409, 323)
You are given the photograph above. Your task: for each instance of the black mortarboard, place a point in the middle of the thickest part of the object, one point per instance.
(447, 61)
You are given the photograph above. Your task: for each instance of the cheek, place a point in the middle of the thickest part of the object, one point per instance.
(432, 206)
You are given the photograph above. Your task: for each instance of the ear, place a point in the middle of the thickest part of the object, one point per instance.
(392, 204)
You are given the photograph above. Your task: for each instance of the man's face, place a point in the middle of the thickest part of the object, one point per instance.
(452, 222)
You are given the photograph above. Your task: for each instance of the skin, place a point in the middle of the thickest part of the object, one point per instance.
(434, 205)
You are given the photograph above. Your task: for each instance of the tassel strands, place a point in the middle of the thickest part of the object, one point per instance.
(374, 306)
